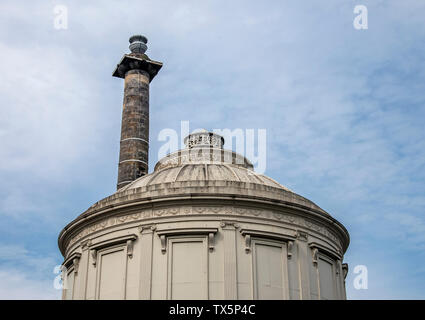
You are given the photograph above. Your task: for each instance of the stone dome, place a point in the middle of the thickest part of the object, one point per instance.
(178, 168)
(203, 173)
(204, 163)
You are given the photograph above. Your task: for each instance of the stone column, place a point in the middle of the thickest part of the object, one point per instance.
(134, 144)
(137, 70)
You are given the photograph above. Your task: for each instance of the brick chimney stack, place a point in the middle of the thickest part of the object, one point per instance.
(137, 70)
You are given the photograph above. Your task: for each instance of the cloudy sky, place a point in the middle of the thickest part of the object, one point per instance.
(344, 112)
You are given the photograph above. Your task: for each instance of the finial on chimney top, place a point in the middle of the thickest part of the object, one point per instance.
(138, 44)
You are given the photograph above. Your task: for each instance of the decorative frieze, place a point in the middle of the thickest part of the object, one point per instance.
(166, 211)
(210, 210)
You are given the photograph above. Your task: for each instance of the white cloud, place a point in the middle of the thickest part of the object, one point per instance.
(19, 285)
(26, 275)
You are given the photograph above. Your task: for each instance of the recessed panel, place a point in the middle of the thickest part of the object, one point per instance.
(69, 285)
(112, 275)
(327, 280)
(269, 272)
(188, 270)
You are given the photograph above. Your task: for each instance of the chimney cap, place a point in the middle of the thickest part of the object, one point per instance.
(138, 44)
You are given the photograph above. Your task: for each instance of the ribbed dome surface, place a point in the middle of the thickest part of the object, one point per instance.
(204, 167)
(203, 160)
(203, 172)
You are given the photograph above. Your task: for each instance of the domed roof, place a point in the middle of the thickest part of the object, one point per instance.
(203, 160)
(205, 167)
(202, 172)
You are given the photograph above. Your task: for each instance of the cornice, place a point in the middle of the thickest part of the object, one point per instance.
(190, 207)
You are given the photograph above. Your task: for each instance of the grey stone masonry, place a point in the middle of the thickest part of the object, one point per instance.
(137, 70)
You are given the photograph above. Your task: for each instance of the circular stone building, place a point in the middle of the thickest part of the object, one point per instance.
(203, 225)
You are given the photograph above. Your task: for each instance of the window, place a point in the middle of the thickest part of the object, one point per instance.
(188, 267)
(270, 269)
(111, 273)
(327, 280)
(110, 257)
(187, 254)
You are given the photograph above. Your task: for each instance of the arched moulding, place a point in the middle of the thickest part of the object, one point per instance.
(128, 240)
(165, 233)
(287, 236)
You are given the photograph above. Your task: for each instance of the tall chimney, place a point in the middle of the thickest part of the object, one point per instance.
(137, 70)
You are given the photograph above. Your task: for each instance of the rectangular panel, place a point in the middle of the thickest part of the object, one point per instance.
(188, 269)
(270, 271)
(326, 279)
(112, 274)
(69, 285)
